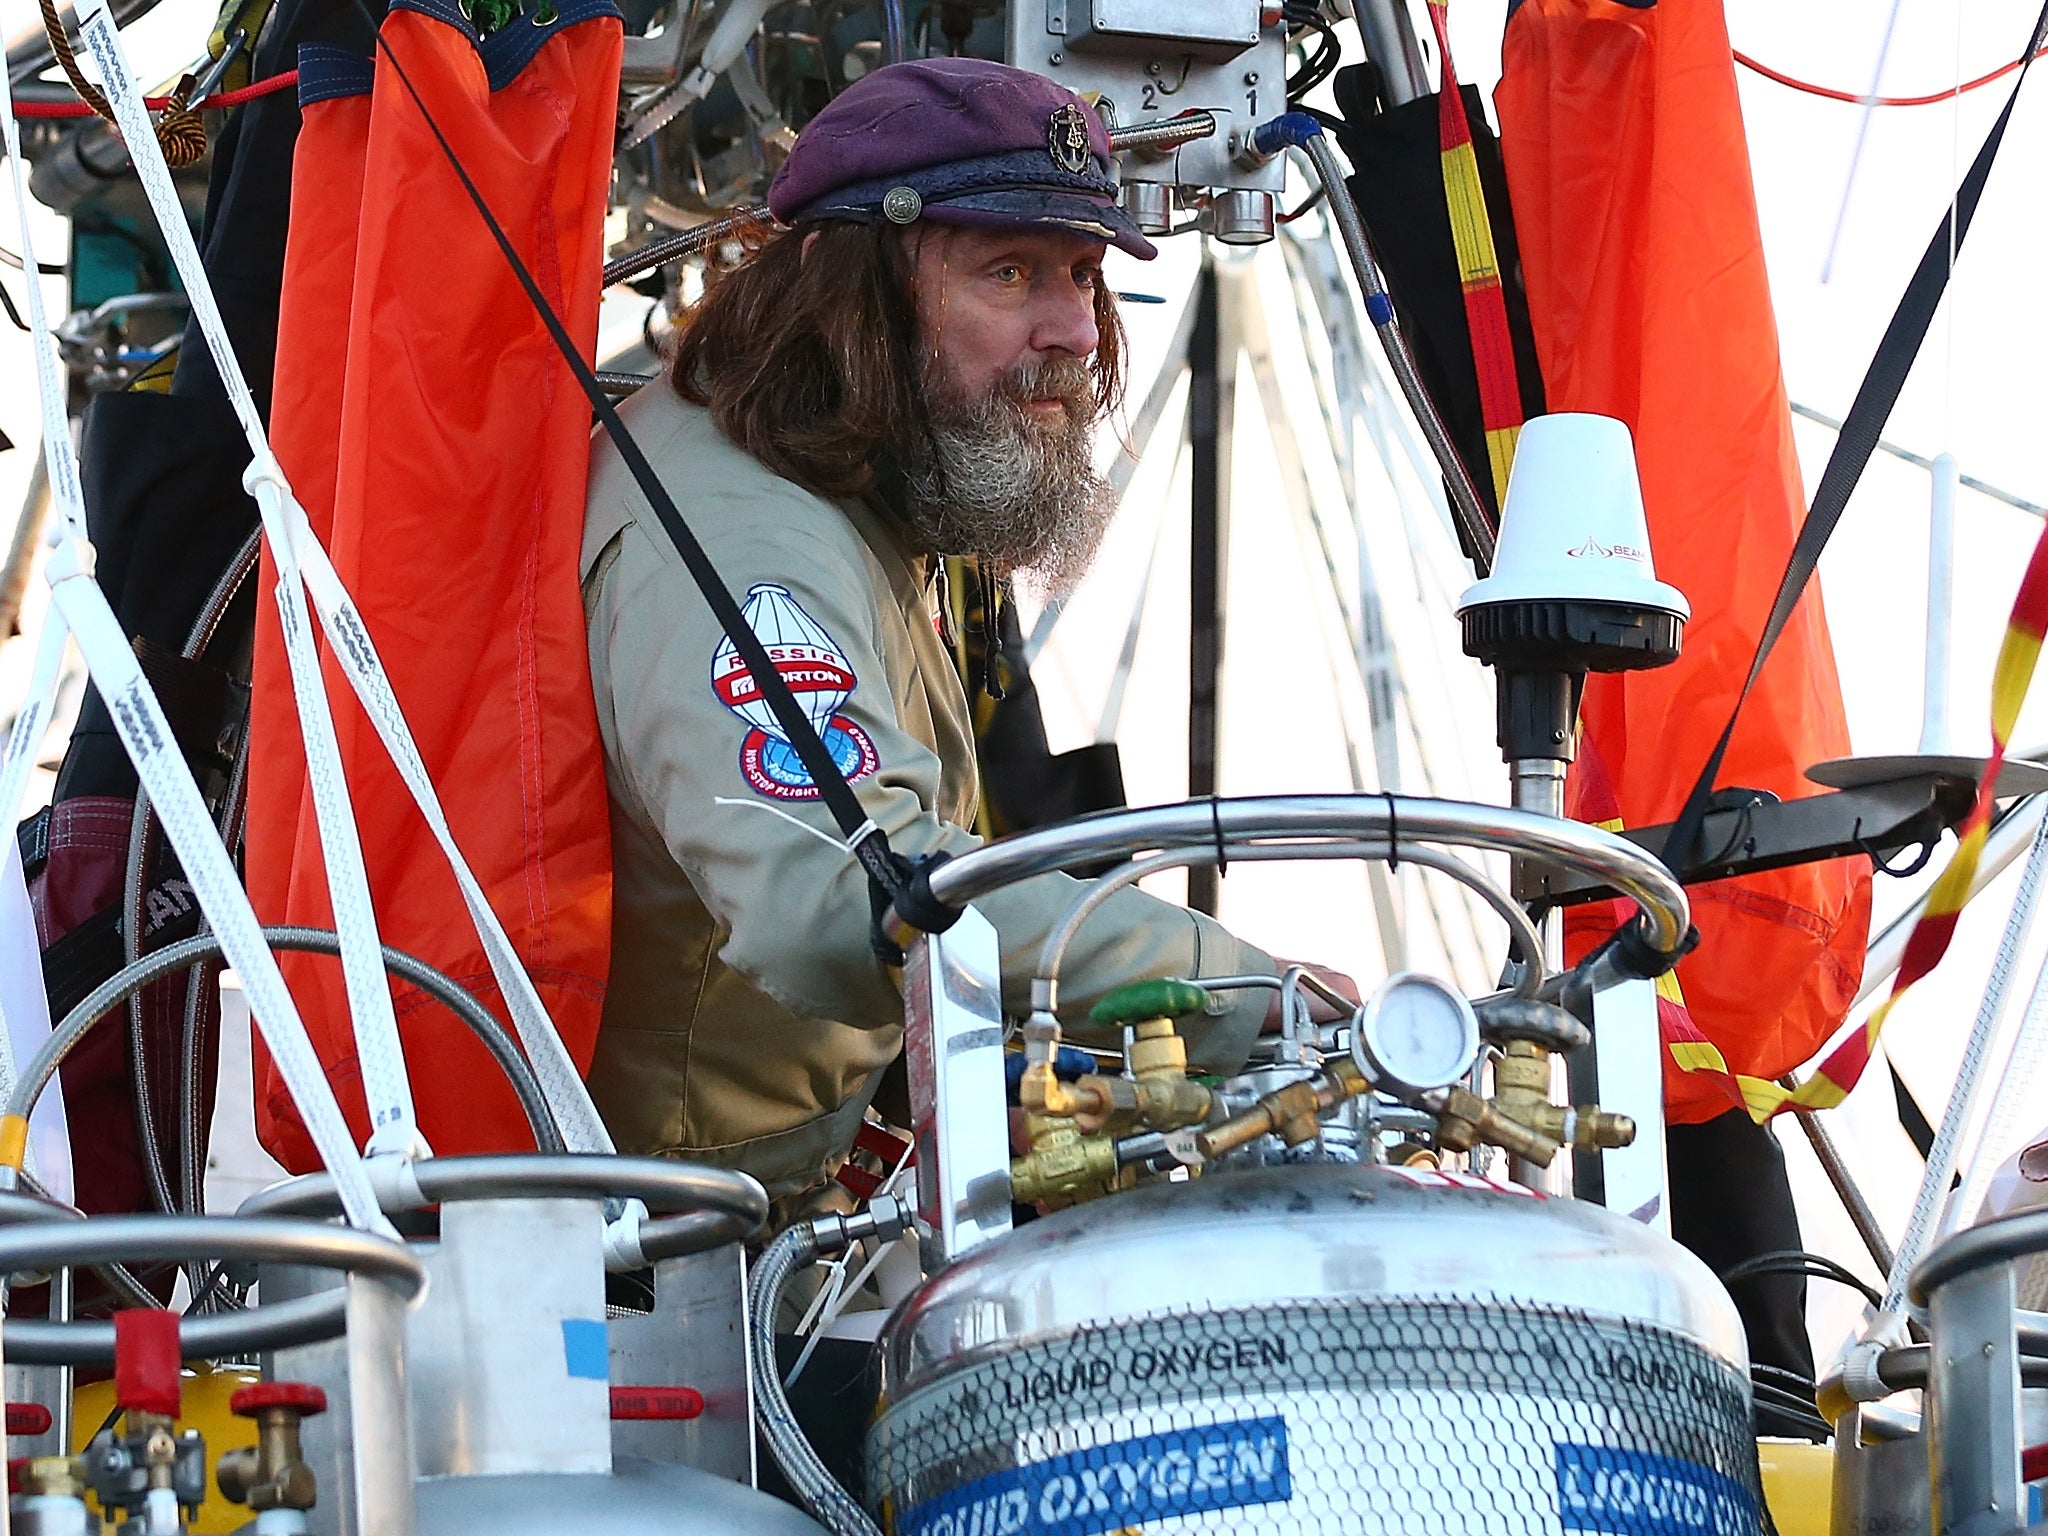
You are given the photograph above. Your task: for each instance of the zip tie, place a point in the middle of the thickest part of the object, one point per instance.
(775, 810)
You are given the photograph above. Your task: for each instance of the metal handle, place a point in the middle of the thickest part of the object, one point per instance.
(62, 1244)
(667, 1186)
(1395, 819)
(1994, 1242)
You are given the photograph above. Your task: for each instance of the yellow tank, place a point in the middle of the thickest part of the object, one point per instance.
(206, 1394)
(1798, 1485)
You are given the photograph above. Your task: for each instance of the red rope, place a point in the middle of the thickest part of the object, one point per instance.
(1883, 101)
(215, 102)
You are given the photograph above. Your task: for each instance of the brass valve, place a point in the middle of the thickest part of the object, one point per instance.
(1063, 1166)
(1293, 1112)
(1521, 1092)
(1464, 1120)
(1520, 1119)
(273, 1473)
(1157, 1095)
(59, 1477)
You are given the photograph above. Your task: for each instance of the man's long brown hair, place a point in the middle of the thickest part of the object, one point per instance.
(814, 365)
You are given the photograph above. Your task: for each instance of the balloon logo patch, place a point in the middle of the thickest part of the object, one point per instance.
(820, 677)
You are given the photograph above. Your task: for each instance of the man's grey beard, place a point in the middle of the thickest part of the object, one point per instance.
(1018, 494)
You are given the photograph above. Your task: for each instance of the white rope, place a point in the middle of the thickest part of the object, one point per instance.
(301, 558)
(79, 605)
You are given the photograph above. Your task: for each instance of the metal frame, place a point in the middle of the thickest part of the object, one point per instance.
(1617, 863)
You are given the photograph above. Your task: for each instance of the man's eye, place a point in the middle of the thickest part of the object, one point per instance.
(1008, 274)
(1088, 277)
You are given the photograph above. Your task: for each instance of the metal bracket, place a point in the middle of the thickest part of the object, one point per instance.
(1748, 839)
(953, 1050)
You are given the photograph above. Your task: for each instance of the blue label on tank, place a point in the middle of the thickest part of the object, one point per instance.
(585, 1348)
(1124, 1483)
(1632, 1493)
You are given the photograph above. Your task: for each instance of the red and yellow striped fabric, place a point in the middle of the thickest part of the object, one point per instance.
(1486, 309)
(2017, 656)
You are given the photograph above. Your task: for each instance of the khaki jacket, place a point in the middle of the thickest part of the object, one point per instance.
(747, 1021)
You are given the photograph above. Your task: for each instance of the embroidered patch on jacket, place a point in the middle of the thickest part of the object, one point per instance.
(820, 677)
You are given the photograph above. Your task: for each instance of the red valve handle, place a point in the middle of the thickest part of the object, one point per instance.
(258, 1395)
(148, 1361)
(27, 1419)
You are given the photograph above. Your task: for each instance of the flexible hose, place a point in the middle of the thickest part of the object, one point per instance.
(828, 1503)
(36, 1075)
(1472, 516)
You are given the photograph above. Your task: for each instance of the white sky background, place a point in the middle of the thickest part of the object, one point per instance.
(1976, 393)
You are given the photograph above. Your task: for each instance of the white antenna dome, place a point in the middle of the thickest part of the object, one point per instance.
(1573, 529)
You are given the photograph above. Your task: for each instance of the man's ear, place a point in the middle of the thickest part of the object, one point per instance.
(810, 240)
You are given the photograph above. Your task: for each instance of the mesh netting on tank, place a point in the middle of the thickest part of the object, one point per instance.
(1420, 1418)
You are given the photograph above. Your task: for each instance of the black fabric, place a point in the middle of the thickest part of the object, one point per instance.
(1024, 783)
(1857, 440)
(834, 1401)
(164, 505)
(248, 205)
(1731, 1201)
(1912, 1118)
(1398, 184)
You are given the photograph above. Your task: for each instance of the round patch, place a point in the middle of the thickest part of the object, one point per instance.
(771, 767)
(1066, 139)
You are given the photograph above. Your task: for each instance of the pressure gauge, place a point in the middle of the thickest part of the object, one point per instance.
(1415, 1033)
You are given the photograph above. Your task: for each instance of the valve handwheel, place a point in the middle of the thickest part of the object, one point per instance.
(250, 1401)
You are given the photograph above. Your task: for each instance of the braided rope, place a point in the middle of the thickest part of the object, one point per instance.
(179, 129)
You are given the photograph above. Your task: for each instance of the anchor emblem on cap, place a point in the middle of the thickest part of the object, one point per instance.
(1066, 139)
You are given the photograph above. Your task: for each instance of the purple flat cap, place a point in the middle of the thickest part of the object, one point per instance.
(957, 141)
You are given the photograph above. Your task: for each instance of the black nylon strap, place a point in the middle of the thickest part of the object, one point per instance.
(1854, 444)
(869, 844)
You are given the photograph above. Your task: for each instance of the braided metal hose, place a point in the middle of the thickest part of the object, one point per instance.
(798, 1248)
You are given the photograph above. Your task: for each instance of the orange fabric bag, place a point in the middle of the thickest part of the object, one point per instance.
(1644, 265)
(458, 487)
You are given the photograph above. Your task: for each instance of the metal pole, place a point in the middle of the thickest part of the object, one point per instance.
(1830, 1158)
(1935, 738)
(1211, 385)
(21, 549)
(1391, 44)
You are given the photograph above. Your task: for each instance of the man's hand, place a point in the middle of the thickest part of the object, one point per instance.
(1320, 1010)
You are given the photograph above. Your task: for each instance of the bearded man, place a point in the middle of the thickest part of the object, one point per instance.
(914, 369)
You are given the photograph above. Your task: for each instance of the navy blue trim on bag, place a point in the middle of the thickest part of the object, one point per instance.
(512, 47)
(327, 72)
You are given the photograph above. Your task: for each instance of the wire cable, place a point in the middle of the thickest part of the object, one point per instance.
(1792, 1261)
(1855, 98)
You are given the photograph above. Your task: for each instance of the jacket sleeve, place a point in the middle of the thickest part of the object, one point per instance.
(740, 817)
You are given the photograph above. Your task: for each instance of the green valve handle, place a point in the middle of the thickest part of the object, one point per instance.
(1161, 998)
